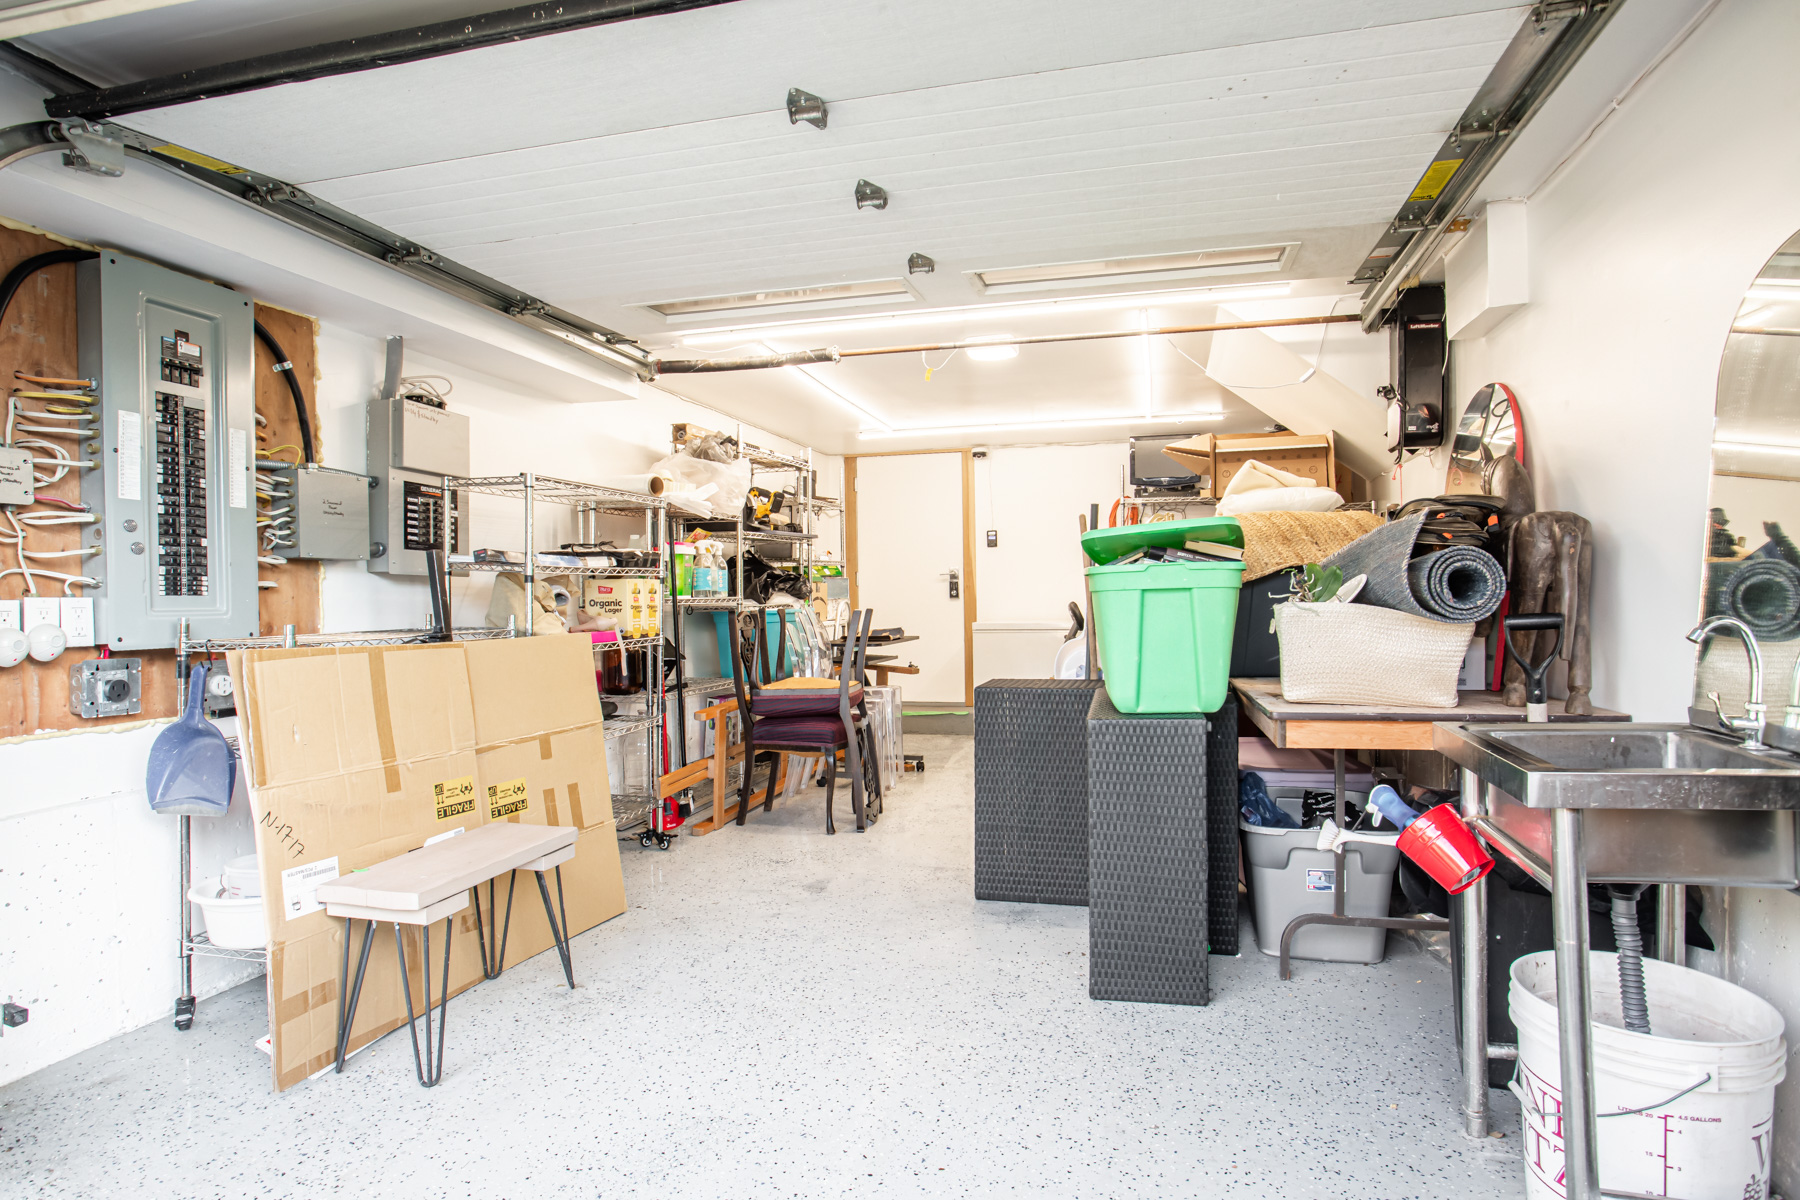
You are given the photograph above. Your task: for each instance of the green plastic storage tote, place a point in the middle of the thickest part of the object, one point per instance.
(1164, 629)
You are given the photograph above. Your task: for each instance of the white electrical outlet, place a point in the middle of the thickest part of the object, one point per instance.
(78, 620)
(42, 610)
(9, 614)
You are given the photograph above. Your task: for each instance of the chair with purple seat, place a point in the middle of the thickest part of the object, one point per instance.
(805, 715)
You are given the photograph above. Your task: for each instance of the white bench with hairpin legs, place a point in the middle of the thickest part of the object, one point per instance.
(432, 884)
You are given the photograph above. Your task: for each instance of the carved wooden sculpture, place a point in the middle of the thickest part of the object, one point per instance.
(1551, 569)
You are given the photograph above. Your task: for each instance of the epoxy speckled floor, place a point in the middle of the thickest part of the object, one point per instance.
(783, 1014)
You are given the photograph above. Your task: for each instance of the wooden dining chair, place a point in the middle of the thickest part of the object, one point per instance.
(803, 715)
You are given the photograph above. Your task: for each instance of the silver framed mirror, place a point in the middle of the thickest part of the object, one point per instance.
(1489, 431)
(1751, 564)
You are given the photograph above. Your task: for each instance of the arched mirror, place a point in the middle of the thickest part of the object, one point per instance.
(1489, 431)
(1752, 569)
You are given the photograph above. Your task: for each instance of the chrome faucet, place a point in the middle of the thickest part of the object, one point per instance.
(1755, 711)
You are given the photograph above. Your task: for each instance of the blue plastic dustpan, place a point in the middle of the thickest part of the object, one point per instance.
(192, 769)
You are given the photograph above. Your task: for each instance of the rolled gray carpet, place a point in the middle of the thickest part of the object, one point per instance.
(1763, 593)
(1458, 584)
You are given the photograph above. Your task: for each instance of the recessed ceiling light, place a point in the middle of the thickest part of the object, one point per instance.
(1143, 268)
(1000, 352)
(987, 312)
(1070, 422)
(824, 295)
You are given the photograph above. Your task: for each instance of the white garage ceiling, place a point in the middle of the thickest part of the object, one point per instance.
(654, 160)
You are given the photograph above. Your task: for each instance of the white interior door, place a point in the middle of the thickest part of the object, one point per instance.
(909, 538)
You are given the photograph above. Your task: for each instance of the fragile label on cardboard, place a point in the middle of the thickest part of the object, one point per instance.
(300, 886)
(454, 797)
(507, 799)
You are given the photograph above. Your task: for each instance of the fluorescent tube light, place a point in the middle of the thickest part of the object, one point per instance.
(995, 353)
(825, 295)
(738, 334)
(831, 392)
(1143, 268)
(1757, 447)
(1085, 422)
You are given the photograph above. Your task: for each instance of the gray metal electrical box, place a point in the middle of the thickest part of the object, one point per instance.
(412, 446)
(175, 490)
(106, 687)
(331, 513)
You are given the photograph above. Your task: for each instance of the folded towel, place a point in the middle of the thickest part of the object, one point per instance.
(1254, 475)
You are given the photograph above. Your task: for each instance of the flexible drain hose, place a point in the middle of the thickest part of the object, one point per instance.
(1632, 1004)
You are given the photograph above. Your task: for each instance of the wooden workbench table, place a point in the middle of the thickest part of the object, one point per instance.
(1373, 726)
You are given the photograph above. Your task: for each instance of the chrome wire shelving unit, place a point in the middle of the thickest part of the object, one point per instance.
(187, 649)
(631, 808)
(800, 543)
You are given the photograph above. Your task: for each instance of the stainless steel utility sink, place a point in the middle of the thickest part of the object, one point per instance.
(1612, 765)
(1667, 803)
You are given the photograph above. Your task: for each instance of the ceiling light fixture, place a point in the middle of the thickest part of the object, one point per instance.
(999, 351)
(735, 335)
(1081, 422)
(831, 392)
(824, 295)
(1143, 268)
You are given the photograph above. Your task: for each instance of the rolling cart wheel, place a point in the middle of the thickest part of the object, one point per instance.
(645, 839)
(184, 1013)
(663, 843)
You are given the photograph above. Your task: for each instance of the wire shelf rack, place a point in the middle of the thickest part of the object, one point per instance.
(459, 565)
(642, 643)
(632, 809)
(550, 490)
(628, 726)
(384, 637)
(724, 603)
(199, 943)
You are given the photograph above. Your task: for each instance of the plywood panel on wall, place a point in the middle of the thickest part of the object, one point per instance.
(295, 599)
(38, 337)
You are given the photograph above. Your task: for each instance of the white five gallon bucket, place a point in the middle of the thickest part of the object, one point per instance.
(1691, 1103)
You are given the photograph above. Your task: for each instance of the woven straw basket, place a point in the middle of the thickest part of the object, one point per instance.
(1361, 654)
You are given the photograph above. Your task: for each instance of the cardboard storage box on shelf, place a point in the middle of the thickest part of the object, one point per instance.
(1219, 455)
(354, 755)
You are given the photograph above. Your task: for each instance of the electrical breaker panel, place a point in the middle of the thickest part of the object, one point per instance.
(413, 444)
(173, 359)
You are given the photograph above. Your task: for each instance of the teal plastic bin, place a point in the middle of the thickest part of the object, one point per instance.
(1164, 630)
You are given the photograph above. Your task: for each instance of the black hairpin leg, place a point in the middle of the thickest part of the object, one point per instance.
(347, 1012)
(830, 788)
(430, 1068)
(491, 970)
(559, 932)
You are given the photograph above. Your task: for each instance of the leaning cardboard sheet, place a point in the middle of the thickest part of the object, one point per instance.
(355, 755)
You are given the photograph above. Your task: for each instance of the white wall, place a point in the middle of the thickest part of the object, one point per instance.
(1033, 498)
(88, 875)
(1640, 249)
